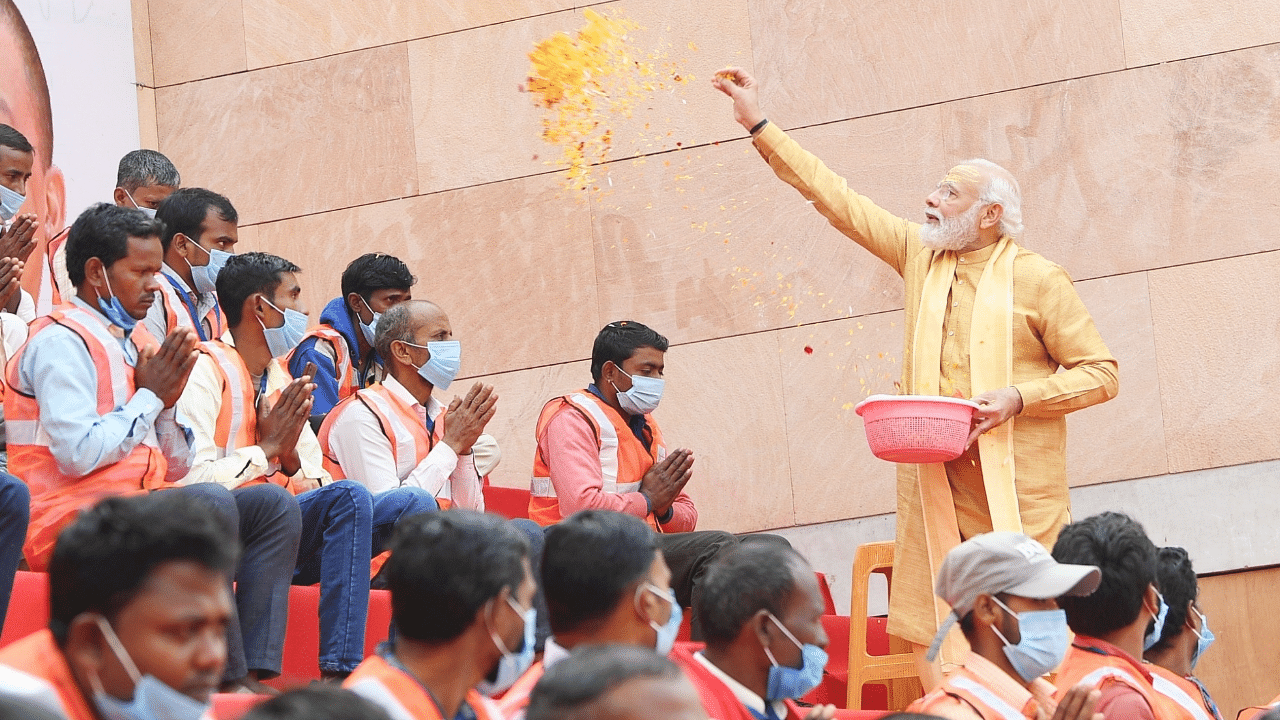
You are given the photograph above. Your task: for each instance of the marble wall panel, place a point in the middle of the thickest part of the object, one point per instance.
(144, 66)
(1146, 168)
(473, 125)
(724, 401)
(296, 139)
(148, 133)
(509, 262)
(521, 395)
(194, 40)
(1122, 438)
(1244, 611)
(1217, 332)
(827, 369)
(825, 60)
(283, 31)
(1162, 30)
(708, 242)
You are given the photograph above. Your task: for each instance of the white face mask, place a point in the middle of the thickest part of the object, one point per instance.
(145, 211)
(281, 340)
(152, 699)
(10, 201)
(644, 395)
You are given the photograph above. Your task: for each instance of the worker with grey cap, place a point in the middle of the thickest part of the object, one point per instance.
(1003, 588)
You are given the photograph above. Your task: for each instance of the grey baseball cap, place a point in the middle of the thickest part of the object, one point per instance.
(1005, 562)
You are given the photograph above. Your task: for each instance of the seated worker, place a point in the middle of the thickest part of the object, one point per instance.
(249, 419)
(144, 178)
(601, 448)
(762, 619)
(199, 235)
(342, 345)
(395, 434)
(614, 682)
(90, 404)
(1003, 588)
(1117, 621)
(1185, 637)
(471, 570)
(138, 614)
(604, 581)
(18, 233)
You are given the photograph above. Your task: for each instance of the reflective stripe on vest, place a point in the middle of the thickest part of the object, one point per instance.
(237, 417)
(56, 497)
(404, 430)
(606, 439)
(342, 357)
(1169, 689)
(983, 695)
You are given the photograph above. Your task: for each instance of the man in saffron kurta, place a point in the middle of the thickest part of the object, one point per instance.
(985, 319)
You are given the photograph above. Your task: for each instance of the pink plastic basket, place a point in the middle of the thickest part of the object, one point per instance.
(916, 428)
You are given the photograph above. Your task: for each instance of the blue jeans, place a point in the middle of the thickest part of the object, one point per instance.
(15, 512)
(266, 519)
(339, 522)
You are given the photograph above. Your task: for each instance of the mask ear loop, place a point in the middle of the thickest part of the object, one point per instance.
(1010, 611)
(786, 632)
(117, 647)
(650, 587)
(1199, 633)
(493, 634)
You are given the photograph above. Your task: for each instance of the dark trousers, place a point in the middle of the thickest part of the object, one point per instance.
(269, 525)
(15, 512)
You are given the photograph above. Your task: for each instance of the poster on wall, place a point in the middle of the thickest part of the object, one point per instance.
(67, 82)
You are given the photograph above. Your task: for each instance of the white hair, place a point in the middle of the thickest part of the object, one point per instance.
(1001, 189)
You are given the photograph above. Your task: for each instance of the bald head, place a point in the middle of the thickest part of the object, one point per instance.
(406, 322)
(614, 682)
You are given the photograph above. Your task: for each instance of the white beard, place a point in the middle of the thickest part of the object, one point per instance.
(953, 233)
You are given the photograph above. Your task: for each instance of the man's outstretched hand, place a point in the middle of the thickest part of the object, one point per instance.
(745, 91)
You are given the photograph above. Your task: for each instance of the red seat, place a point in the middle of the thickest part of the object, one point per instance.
(28, 607)
(302, 636)
(510, 503)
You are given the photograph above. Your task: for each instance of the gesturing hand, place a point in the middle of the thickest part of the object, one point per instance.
(165, 371)
(745, 91)
(280, 423)
(468, 417)
(994, 409)
(664, 481)
(10, 280)
(20, 239)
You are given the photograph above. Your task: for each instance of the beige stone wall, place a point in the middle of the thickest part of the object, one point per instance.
(1146, 134)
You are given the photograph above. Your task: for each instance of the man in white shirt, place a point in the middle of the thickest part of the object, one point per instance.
(250, 421)
(395, 434)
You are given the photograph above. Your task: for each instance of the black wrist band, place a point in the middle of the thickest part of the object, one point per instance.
(760, 125)
(666, 516)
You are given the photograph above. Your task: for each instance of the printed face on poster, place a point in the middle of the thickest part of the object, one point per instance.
(67, 82)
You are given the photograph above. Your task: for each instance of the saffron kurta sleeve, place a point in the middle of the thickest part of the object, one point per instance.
(1052, 330)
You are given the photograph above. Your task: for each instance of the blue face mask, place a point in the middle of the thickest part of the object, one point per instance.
(152, 699)
(667, 633)
(205, 277)
(1042, 644)
(10, 201)
(281, 340)
(370, 329)
(788, 683)
(443, 365)
(644, 395)
(114, 311)
(1157, 630)
(513, 664)
(1204, 638)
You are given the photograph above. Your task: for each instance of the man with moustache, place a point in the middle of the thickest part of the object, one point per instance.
(985, 319)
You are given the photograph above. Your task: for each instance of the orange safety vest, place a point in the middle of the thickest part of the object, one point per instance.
(342, 358)
(1180, 690)
(50, 252)
(623, 458)
(970, 690)
(237, 413)
(43, 671)
(56, 497)
(1100, 671)
(178, 314)
(403, 696)
(517, 696)
(410, 441)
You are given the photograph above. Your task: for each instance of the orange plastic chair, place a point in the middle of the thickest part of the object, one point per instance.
(897, 669)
